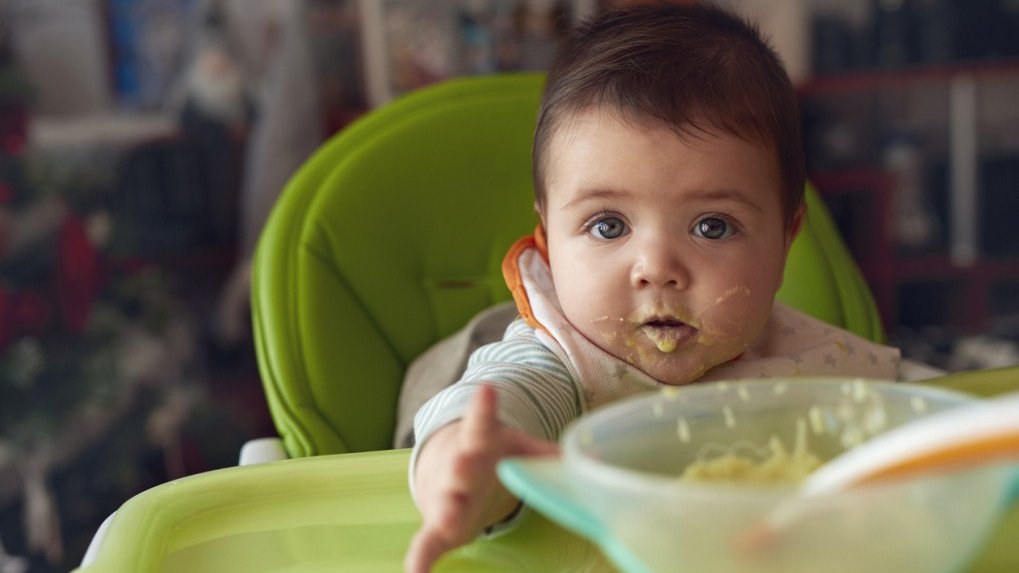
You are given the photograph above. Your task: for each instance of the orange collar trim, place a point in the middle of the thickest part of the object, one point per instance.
(511, 272)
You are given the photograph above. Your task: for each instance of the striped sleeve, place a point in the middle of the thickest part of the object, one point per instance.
(536, 392)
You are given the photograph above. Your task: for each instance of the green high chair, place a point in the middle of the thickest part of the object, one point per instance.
(392, 236)
(389, 238)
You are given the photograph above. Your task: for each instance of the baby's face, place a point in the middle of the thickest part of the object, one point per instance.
(665, 251)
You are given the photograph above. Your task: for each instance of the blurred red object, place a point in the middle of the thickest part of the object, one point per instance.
(22, 313)
(13, 127)
(77, 274)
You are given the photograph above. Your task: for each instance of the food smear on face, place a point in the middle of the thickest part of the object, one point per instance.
(742, 291)
(666, 330)
(710, 331)
(666, 339)
(743, 463)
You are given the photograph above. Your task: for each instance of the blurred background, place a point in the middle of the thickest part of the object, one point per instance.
(143, 142)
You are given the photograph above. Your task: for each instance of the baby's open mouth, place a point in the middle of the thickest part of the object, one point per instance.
(667, 333)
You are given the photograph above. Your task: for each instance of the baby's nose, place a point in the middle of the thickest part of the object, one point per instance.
(660, 265)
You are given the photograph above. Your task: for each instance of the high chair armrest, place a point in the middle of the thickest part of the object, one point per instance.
(987, 382)
(97, 541)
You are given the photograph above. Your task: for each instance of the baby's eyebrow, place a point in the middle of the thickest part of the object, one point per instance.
(595, 194)
(724, 194)
(731, 195)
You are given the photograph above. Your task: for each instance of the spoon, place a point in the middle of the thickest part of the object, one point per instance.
(975, 434)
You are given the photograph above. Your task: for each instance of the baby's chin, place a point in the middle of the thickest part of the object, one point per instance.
(671, 360)
(673, 376)
(684, 366)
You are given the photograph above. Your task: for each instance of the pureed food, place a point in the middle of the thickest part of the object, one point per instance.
(858, 417)
(745, 462)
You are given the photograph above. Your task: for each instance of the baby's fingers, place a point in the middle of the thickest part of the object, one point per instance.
(424, 550)
(447, 528)
(473, 469)
(481, 425)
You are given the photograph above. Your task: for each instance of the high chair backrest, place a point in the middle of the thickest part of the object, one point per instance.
(391, 237)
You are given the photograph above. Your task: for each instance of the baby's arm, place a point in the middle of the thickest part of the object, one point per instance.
(458, 492)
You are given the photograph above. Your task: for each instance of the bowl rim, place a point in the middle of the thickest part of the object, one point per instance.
(620, 477)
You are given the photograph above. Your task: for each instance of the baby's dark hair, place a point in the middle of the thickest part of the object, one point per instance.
(695, 68)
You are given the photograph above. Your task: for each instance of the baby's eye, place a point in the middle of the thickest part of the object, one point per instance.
(607, 228)
(714, 228)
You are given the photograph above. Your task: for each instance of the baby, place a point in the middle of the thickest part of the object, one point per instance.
(669, 178)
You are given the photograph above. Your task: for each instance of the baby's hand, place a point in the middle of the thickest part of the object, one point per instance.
(458, 492)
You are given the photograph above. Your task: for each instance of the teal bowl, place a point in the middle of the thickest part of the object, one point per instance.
(617, 482)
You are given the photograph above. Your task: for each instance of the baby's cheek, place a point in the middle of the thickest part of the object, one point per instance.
(733, 324)
(607, 334)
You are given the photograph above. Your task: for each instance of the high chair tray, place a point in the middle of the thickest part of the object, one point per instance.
(341, 513)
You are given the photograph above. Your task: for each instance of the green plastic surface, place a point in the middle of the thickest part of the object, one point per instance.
(388, 239)
(989, 382)
(392, 236)
(822, 279)
(348, 513)
(353, 512)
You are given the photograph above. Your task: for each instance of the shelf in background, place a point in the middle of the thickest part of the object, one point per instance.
(864, 80)
(111, 129)
(912, 290)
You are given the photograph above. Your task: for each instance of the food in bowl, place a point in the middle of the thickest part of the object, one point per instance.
(858, 416)
(745, 462)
